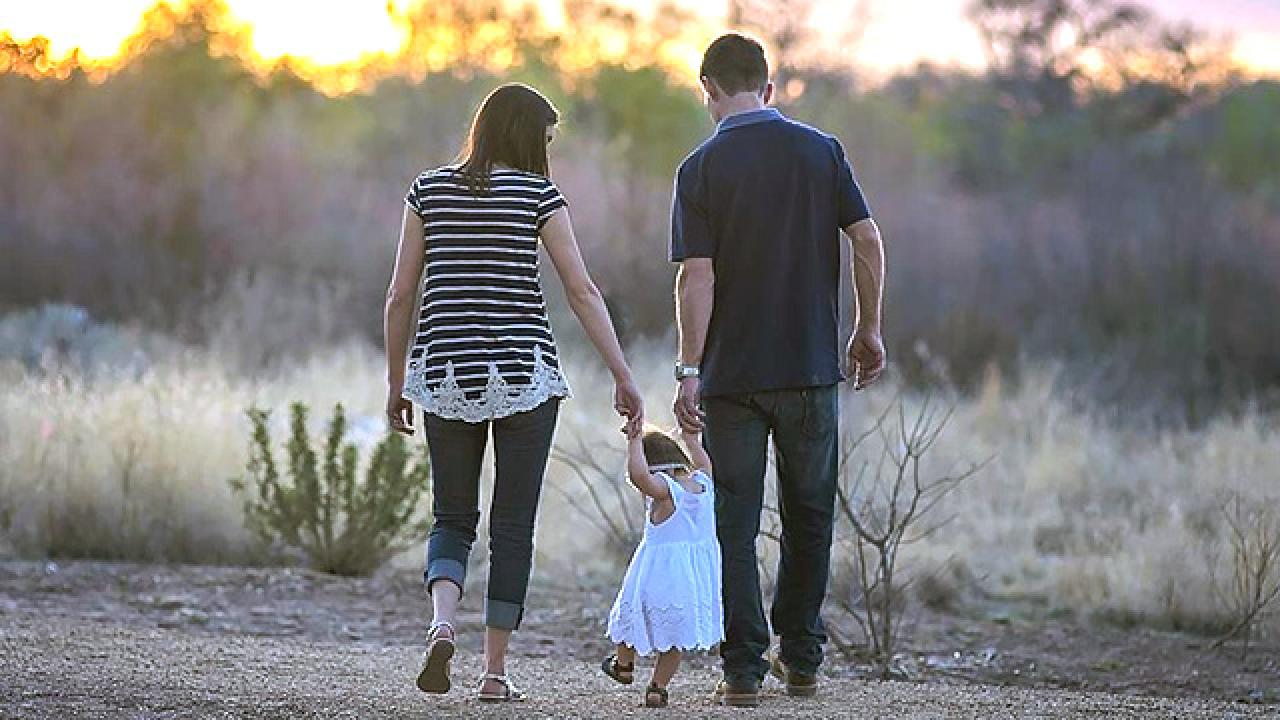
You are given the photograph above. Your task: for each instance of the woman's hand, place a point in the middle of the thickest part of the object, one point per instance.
(399, 412)
(629, 404)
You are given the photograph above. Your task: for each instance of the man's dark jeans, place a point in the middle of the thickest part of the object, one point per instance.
(521, 444)
(804, 425)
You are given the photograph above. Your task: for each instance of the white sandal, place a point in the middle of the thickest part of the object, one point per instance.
(434, 676)
(509, 691)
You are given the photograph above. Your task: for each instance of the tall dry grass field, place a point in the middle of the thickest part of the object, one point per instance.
(1090, 512)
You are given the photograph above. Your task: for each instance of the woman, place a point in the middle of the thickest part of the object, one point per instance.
(483, 356)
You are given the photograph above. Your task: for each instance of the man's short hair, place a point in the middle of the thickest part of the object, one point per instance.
(736, 63)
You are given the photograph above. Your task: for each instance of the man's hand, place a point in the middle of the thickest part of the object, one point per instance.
(687, 405)
(399, 412)
(866, 357)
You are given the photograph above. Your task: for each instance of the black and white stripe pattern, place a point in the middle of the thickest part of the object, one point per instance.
(483, 346)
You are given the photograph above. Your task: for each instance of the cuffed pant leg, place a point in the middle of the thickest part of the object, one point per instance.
(521, 443)
(457, 451)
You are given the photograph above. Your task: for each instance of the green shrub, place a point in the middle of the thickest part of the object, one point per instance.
(343, 526)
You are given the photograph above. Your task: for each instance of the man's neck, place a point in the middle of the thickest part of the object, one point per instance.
(742, 103)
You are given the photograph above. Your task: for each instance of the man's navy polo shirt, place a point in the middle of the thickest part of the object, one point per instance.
(765, 198)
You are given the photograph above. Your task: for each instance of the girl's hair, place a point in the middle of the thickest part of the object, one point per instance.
(509, 128)
(661, 449)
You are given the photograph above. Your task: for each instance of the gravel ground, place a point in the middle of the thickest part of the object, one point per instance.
(104, 640)
(100, 668)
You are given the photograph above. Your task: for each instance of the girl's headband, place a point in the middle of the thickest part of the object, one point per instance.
(668, 466)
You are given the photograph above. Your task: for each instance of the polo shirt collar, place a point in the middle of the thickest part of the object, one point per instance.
(750, 117)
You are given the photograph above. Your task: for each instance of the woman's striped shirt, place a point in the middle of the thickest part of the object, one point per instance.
(483, 347)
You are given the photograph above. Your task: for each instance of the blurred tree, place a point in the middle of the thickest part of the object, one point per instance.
(1048, 56)
(1042, 49)
(469, 36)
(1243, 145)
(790, 28)
(651, 121)
(31, 58)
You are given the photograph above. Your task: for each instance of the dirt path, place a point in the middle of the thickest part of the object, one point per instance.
(91, 640)
(96, 669)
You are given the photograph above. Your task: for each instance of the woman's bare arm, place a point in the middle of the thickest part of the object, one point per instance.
(588, 305)
(397, 316)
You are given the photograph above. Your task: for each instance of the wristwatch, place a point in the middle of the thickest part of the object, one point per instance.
(686, 371)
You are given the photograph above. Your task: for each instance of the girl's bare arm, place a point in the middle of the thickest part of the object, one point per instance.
(698, 454)
(639, 475)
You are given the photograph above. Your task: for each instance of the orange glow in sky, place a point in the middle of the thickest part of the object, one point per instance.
(899, 33)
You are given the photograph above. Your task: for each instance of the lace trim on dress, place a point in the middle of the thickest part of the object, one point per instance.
(690, 625)
(498, 399)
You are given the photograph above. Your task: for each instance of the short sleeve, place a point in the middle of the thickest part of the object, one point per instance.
(549, 202)
(413, 198)
(691, 235)
(852, 205)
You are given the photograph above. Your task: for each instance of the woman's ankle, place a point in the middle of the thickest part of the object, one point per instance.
(443, 628)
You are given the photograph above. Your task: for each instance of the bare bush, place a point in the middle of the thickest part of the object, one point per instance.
(1251, 586)
(599, 494)
(886, 503)
(342, 526)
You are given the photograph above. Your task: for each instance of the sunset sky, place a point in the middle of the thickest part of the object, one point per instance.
(899, 32)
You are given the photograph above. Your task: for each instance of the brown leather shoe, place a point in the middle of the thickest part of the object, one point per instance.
(738, 695)
(798, 684)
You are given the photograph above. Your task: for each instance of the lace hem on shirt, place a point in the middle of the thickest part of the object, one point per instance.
(498, 399)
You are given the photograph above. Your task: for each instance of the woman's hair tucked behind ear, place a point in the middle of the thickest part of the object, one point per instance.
(661, 449)
(509, 128)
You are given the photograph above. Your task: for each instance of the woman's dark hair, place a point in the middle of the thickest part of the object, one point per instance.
(509, 128)
(736, 62)
(661, 449)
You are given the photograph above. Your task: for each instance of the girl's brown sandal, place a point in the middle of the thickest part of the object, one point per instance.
(624, 674)
(656, 697)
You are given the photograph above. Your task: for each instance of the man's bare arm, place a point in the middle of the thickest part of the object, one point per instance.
(695, 294)
(866, 349)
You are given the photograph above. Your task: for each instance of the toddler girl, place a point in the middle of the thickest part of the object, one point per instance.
(670, 599)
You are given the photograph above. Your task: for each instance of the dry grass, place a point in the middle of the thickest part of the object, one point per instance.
(1090, 513)
(137, 466)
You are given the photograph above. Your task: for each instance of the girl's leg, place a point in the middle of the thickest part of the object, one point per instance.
(521, 444)
(665, 668)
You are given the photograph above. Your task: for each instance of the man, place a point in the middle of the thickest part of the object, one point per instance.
(756, 224)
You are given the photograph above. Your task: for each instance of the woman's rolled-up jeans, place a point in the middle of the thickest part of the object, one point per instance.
(521, 444)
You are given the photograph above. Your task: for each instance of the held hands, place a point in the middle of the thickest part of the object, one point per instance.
(630, 405)
(866, 357)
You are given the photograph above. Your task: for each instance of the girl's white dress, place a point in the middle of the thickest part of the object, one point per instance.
(670, 597)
